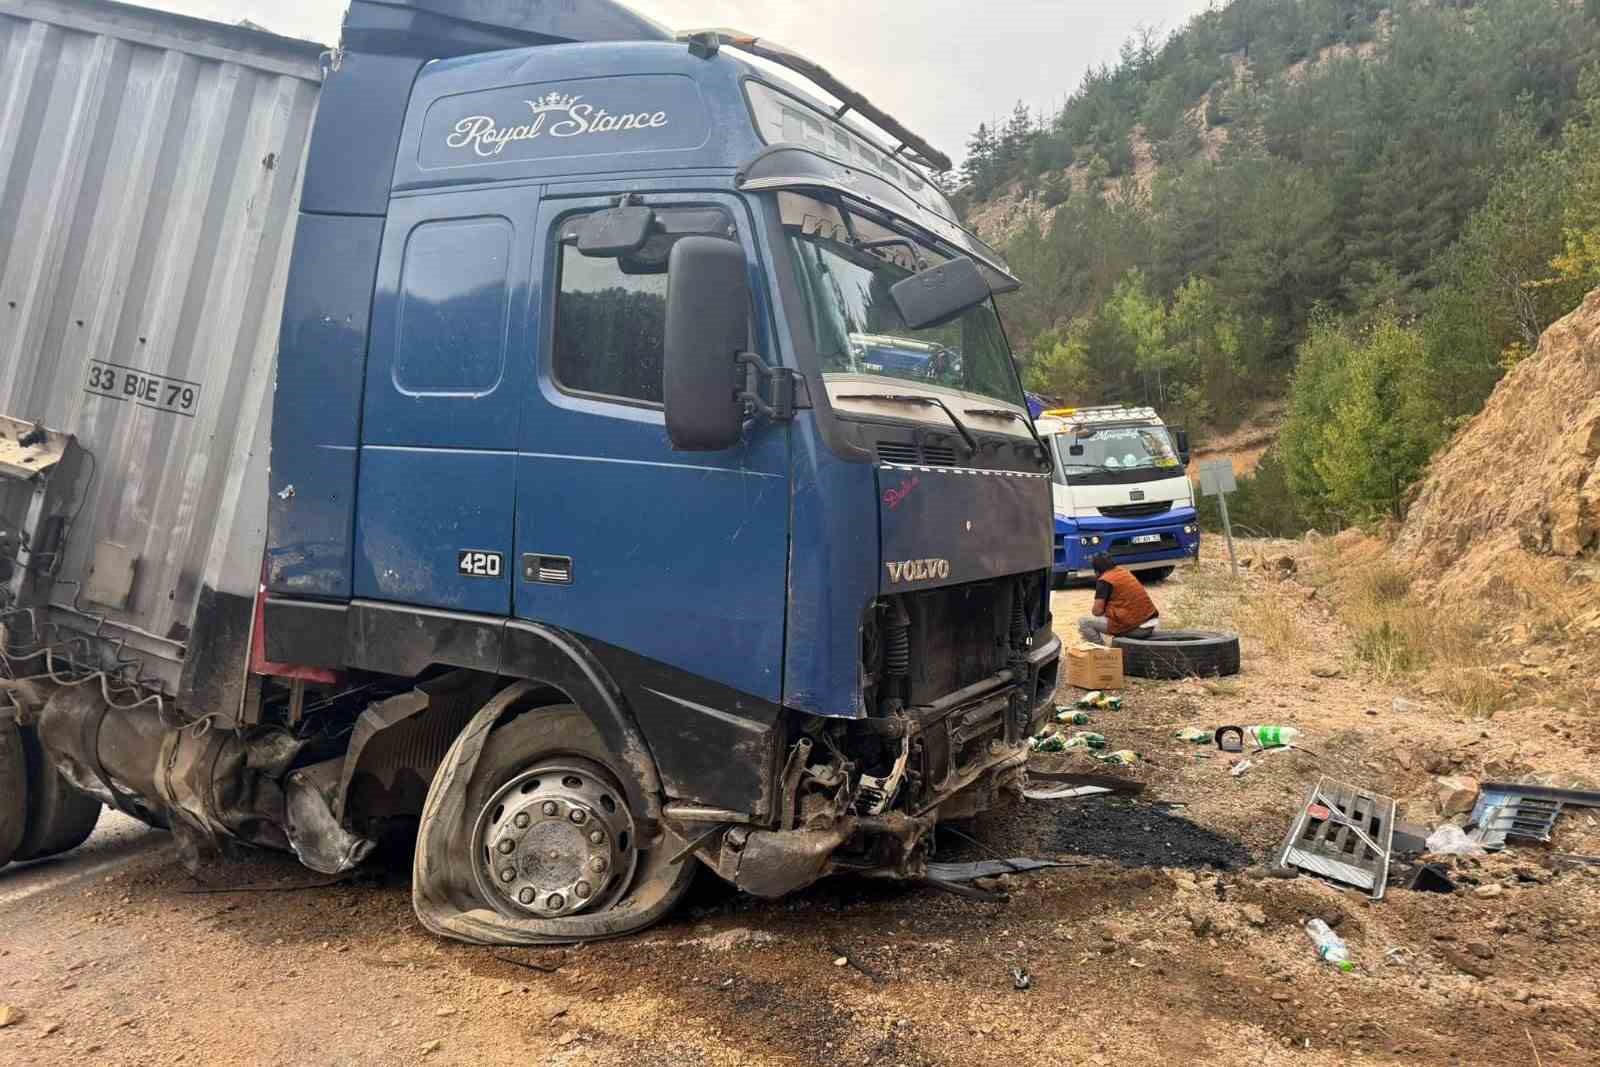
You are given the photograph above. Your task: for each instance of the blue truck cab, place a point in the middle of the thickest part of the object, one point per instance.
(1120, 487)
(646, 437)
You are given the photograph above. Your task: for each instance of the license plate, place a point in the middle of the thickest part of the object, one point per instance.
(1147, 539)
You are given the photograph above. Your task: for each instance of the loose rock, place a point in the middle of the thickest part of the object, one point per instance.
(11, 1016)
(1466, 964)
(1455, 794)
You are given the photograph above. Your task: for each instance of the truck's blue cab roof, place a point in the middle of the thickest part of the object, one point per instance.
(431, 28)
(576, 111)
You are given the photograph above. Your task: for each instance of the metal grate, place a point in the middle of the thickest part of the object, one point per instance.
(1503, 815)
(892, 452)
(940, 454)
(1343, 833)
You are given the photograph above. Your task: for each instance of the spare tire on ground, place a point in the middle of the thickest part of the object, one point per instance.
(1179, 654)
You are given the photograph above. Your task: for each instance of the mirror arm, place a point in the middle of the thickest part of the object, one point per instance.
(779, 382)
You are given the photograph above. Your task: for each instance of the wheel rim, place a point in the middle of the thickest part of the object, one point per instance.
(555, 840)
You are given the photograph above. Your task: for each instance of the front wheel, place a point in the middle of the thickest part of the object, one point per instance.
(546, 847)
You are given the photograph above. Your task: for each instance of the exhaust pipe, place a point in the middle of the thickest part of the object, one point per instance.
(205, 785)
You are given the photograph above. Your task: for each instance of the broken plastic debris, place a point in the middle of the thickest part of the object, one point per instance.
(1063, 791)
(1450, 840)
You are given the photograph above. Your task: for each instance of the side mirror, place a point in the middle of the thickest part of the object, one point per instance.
(708, 322)
(1181, 439)
(935, 296)
(616, 232)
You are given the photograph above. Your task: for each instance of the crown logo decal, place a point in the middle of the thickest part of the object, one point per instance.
(553, 101)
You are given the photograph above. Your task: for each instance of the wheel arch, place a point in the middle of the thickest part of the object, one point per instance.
(412, 733)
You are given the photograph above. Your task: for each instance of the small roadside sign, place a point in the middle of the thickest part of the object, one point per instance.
(1216, 479)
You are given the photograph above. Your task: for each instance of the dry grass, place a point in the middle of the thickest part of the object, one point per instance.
(1399, 637)
(1211, 600)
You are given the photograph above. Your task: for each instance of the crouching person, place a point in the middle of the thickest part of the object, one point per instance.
(1122, 608)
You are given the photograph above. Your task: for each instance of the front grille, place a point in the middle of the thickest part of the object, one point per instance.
(933, 455)
(891, 452)
(1137, 511)
(1124, 548)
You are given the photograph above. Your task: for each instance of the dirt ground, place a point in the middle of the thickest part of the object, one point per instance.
(1169, 943)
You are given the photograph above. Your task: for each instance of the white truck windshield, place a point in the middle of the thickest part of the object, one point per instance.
(1114, 453)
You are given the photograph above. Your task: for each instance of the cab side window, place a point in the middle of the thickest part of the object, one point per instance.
(610, 316)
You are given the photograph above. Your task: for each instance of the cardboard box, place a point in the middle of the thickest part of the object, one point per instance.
(1094, 667)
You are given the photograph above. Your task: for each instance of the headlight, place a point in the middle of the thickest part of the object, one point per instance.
(1094, 540)
(1191, 529)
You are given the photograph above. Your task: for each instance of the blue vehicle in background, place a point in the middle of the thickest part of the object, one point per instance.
(1120, 487)
(651, 486)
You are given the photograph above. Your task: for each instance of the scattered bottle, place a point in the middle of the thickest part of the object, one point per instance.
(1048, 743)
(1068, 717)
(1196, 736)
(1272, 736)
(1126, 757)
(1330, 946)
(1085, 739)
(1098, 701)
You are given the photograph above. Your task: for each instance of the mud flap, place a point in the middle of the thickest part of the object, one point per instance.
(443, 890)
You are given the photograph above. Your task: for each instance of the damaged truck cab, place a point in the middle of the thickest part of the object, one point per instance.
(651, 483)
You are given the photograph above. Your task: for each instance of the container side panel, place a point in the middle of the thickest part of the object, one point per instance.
(149, 184)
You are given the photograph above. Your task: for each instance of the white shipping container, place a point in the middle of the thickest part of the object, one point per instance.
(150, 168)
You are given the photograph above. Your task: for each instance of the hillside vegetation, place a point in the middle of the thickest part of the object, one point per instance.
(1370, 209)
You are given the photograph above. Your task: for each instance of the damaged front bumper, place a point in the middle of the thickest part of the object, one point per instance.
(960, 755)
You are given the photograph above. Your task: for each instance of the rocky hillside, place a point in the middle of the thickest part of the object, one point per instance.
(1512, 504)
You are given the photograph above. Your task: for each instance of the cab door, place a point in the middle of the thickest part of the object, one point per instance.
(447, 375)
(671, 564)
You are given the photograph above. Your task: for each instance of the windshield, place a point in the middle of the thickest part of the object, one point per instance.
(1114, 454)
(846, 268)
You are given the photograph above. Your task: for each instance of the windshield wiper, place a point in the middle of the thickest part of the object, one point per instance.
(924, 401)
(1006, 413)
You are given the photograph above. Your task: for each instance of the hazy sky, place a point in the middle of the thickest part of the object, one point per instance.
(894, 51)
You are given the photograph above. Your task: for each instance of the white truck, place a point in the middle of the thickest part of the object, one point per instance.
(1121, 488)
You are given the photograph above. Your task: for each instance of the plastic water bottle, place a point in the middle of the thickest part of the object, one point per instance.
(1272, 736)
(1330, 946)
